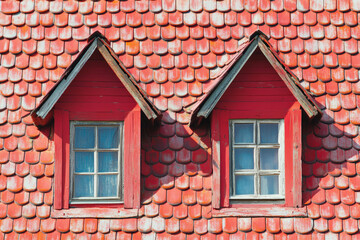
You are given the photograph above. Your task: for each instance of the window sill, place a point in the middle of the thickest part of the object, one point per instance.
(260, 212)
(95, 213)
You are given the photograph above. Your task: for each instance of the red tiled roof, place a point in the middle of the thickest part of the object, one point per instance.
(174, 50)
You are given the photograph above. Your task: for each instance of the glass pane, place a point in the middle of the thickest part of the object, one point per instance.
(269, 158)
(244, 132)
(84, 137)
(84, 162)
(84, 186)
(108, 161)
(108, 137)
(244, 158)
(269, 132)
(108, 186)
(269, 184)
(244, 184)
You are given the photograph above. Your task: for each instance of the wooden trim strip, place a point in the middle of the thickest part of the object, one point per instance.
(66, 158)
(260, 212)
(216, 160)
(289, 81)
(132, 151)
(95, 213)
(59, 165)
(297, 151)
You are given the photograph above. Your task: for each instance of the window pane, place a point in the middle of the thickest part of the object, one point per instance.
(269, 132)
(108, 186)
(244, 132)
(108, 137)
(84, 162)
(108, 161)
(244, 158)
(84, 137)
(269, 184)
(84, 186)
(269, 158)
(244, 184)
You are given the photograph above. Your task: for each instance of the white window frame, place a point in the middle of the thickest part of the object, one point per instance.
(96, 200)
(256, 171)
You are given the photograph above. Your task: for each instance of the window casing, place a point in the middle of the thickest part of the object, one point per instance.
(257, 160)
(222, 198)
(131, 149)
(96, 150)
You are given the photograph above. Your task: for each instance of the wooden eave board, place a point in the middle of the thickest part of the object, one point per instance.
(308, 106)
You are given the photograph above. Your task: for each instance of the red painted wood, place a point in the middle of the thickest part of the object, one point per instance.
(296, 149)
(96, 88)
(96, 212)
(257, 89)
(66, 155)
(225, 154)
(112, 205)
(96, 94)
(216, 157)
(258, 93)
(260, 211)
(264, 114)
(98, 116)
(58, 135)
(132, 143)
(95, 107)
(91, 89)
(62, 153)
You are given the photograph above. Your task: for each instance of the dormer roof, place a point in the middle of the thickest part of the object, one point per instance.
(222, 80)
(97, 41)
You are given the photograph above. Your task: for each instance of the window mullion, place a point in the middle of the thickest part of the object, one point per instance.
(96, 163)
(232, 160)
(119, 194)
(257, 162)
(234, 176)
(72, 161)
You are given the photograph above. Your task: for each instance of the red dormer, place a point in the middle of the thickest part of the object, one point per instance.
(256, 120)
(96, 107)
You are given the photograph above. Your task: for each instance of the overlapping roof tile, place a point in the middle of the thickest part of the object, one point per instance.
(174, 49)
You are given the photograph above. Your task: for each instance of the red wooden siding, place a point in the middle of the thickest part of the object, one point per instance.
(257, 90)
(96, 88)
(96, 94)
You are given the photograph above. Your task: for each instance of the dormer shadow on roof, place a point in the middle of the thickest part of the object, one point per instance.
(43, 113)
(223, 79)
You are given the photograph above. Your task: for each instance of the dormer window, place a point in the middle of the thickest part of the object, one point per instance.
(96, 162)
(96, 107)
(257, 159)
(256, 132)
